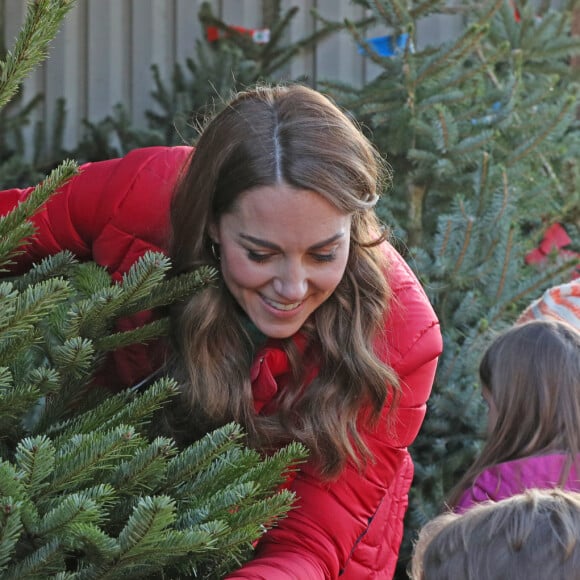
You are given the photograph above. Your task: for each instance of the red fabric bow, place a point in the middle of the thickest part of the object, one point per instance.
(555, 240)
(270, 371)
(269, 368)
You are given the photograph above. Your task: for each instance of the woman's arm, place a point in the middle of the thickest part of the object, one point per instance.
(111, 212)
(320, 536)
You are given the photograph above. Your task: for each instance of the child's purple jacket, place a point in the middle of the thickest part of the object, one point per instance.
(512, 477)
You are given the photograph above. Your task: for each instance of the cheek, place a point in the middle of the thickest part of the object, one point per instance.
(329, 278)
(491, 417)
(329, 281)
(239, 271)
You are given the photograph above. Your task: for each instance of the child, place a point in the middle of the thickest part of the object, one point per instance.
(533, 535)
(530, 377)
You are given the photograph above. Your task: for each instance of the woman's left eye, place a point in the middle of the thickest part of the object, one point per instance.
(257, 256)
(324, 257)
(263, 257)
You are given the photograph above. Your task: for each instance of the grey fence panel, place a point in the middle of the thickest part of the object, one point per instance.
(107, 60)
(104, 51)
(337, 57)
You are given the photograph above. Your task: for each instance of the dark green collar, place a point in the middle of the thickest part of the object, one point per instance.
(256, 335)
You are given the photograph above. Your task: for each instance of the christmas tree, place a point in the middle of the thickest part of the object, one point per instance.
(481, 134)
(85, 490)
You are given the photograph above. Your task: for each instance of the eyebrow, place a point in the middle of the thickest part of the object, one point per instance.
(271, 246)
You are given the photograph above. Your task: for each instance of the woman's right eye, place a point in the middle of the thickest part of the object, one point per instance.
(257, 256)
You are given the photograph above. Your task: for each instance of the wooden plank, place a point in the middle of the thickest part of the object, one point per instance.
(438, 28)
(108, 66)
(246, 13)
(66, 76)
(33, 85)
(337, 57)
(301, 26)
(187, 28)
(152, 42)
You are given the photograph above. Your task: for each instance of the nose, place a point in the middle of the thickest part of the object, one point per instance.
(291, 283)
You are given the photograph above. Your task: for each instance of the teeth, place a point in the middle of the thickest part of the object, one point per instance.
(280, 306)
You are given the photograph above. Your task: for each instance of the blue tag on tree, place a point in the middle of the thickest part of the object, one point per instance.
(385, 45)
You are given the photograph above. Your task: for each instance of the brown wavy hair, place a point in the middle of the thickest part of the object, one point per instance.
(296, 136)
(532, 371)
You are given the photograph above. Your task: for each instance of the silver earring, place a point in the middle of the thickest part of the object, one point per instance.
(215, 251)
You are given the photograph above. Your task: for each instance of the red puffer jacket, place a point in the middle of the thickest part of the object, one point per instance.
(351, 528)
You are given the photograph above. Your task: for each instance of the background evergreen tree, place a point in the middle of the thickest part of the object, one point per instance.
(15, 168)
(481, 134)
(222, 63)
(85, 491)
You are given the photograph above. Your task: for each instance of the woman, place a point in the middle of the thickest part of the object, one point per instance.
(317, 332)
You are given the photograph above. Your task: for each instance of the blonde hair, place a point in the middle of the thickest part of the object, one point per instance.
(535, 534)
(296, 136)
(532, 371)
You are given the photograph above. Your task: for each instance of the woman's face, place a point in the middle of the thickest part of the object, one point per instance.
(283, 252)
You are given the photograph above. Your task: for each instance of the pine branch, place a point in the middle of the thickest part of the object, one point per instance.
(43, 18)
(10, 529)
(84, 457)
(35, 459)
(74, 358)
(18, 323)
(464, 45)
(532, 144)
(72, 509)
(42, 563)
(200, 455)
(176, 288)
(273, 469)
(55, 266)
(117, 410)
(139, 335)
(145, 471)
(96, 545)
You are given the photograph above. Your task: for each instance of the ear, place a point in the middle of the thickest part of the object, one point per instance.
(214, 233)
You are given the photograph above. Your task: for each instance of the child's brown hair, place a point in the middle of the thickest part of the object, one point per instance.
(532, 372)
(533, 535)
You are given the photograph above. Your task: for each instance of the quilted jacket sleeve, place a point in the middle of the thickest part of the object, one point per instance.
(56, 229)
(324, 537)
(108, 205)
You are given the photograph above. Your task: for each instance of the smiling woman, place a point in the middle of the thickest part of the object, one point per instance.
(317, 331)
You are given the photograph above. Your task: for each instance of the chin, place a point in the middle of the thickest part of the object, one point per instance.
(277, 332)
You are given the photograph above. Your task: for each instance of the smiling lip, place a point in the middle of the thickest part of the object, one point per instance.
(281, 308)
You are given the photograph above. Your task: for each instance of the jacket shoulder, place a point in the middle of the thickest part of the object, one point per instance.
(139, 192)
(107, 209)
(412, 335)
(509, 478)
